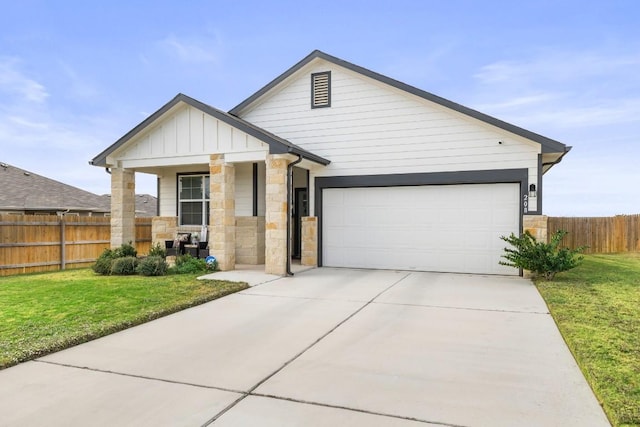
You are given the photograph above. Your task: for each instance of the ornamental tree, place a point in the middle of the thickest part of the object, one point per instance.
(543, 259)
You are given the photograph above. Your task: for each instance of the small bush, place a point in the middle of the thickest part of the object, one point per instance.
(152, 265)
(126, 250)
(541, 258)
(213, 265)
(104, 261)
(186, 264)
(157, 250)
(124, 266)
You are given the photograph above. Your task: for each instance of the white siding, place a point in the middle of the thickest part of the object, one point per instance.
(169, 186)
(186, 132)
(244, 189)
(243, 184)
(372, 128)
(262, 187)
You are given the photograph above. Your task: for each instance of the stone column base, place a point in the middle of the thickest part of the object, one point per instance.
(309, 241)
(536, 225)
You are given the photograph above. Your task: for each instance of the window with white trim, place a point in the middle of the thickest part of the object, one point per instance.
(193, 199)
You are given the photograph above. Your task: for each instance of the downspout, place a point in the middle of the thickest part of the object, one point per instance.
(289, 202)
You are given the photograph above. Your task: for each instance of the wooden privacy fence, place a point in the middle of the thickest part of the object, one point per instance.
(620, 233)
(31, 243)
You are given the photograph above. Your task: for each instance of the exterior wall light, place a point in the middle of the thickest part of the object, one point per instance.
(532, 191)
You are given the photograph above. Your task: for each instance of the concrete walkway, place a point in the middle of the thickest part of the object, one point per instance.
(326, 347)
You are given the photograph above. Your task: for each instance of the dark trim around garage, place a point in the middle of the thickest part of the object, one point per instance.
(539, 184)
(501, 176)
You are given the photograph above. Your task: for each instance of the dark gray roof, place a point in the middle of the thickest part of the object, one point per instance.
(548, 145)
(277, 145)
(21, 190)
(24, 190)
(146, 204)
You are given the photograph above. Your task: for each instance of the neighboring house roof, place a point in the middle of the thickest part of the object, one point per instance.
(21, 190)
(548, 145)
(277, 145)
(146, 204)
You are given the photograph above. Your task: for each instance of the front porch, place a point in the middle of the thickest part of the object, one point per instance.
(237, 231)
(215, 170)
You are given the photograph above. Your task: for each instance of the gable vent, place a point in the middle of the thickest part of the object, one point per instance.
(321, 89)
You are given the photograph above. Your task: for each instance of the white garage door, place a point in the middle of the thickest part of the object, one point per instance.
(448, 228)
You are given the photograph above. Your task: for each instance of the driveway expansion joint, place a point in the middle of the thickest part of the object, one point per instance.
(142, 377)
(362, 411)
(463, 308)
(304, 350)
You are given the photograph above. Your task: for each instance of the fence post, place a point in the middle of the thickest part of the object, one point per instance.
(63, 260)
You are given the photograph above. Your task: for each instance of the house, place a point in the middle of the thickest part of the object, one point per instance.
(27, 193)
(340, 166)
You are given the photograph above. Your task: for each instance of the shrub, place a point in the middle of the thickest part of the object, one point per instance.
(186, 264)
(543, 259)
(124, 266)
(212, 265)
(152, 265)
(157, 250)
(103, 263)
(126, 250)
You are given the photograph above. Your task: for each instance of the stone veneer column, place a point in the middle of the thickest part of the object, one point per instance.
(536, 225)
(276, 215)
(309, 241)
(123, 207)
(222, 229)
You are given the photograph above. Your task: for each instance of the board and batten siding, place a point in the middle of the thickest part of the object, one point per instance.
(372, 128)
(185, 135)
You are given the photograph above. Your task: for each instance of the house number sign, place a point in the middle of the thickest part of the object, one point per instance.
(525, 203)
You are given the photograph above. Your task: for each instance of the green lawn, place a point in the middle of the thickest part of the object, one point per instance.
(42, 313)
(597, 309)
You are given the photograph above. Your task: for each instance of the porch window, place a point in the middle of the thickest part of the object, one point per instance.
(193, 199)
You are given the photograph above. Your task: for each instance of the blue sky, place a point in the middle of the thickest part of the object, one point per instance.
(77, 75)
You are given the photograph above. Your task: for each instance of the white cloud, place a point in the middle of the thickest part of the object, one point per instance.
(194, 50)
(558, 66)
(559, 110)
(13, 81)
(78, 86)
(562, 89)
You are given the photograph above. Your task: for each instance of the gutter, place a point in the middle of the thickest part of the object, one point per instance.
(289, 203)
(550, 164)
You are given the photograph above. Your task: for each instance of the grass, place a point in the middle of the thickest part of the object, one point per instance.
(43, 313)
(597, 309)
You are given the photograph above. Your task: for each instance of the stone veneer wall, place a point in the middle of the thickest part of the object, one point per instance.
(309, 241)
(163, 228)
(250, 240)
(536, 225)
(123, 207)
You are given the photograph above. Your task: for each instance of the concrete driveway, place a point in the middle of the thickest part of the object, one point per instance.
(326, 347)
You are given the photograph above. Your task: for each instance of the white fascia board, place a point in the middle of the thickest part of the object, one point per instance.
(165, 161)
(246, 156)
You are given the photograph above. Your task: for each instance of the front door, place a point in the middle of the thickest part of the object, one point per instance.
(300, 209)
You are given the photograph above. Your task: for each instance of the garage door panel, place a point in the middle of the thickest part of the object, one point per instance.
(454, 228)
